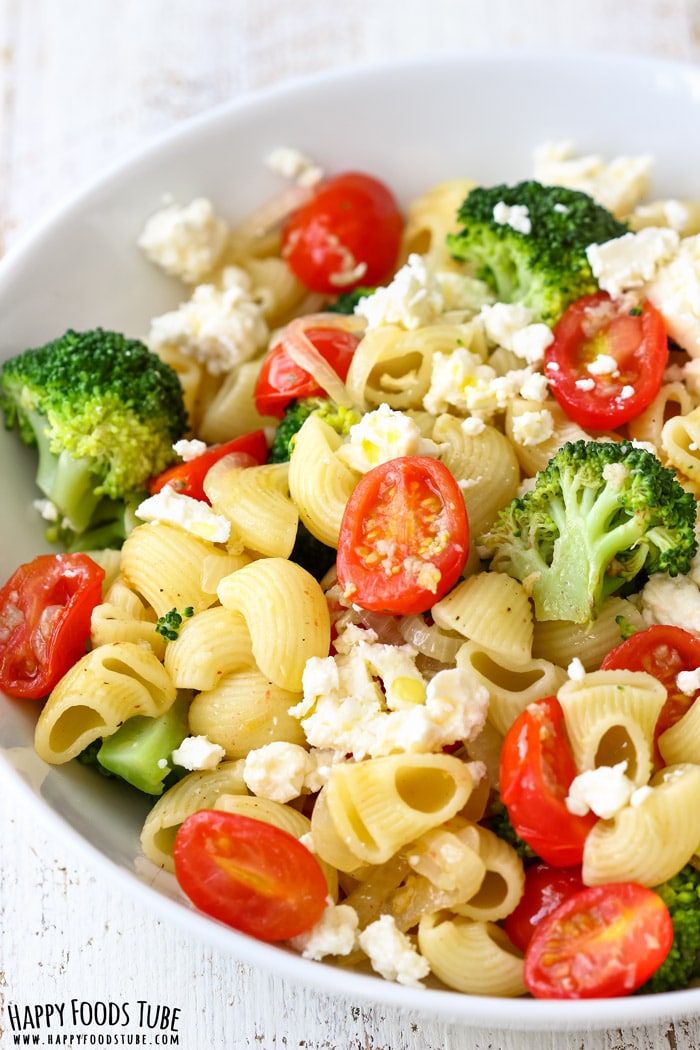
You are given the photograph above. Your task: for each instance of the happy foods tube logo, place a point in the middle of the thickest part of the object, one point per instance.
(79, 1022)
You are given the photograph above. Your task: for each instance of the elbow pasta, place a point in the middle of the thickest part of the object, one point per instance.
(409, 834)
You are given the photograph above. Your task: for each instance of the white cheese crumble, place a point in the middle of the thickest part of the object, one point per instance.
(381, 435)
(531, 341)
(198, 752)
(188, 450)
(293, 164)
(675, 292)
(219, 326)
(603, 791)
(193, 515)
(335, 933)
(532, 428)
(276, 770)
(516, 216)
(688, 681)
(603, 365)
(576, 671)
(186, 242)
(370, 700)
(501, 322)
(673, 600)
(392, 953)
(629, 261)
(411, 300)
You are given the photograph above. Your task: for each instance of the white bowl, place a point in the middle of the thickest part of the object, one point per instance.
(413, 123)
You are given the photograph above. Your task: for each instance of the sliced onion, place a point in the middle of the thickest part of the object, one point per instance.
(304, 353)
(272, 213)
(430, 640)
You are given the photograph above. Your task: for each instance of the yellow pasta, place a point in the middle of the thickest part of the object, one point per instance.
(198, 790)
(681, 741)
(163, 563)
(562, 642)
(244, 711)
(430, 217)
(256, 501)
(319, 482)
(209, 645)
(123, 617)
(491, 609)
(231, 411)
(286, 613)
(502, 885)
(672, 400)
(680, 441)
(472, 957)
(101, 691)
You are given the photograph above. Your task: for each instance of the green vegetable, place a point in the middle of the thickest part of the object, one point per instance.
(296, 414)
(103, 412)
(140, 751)
(681, 895)
(168, 626)
(545, 269)
(346, 302)
(602, 516)
(500, 823)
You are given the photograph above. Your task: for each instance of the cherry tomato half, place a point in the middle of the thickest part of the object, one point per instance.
(536, 770)
(596, 327)
(348, 234)
(187, 478)
(281, 380)
(546, 887)
(251, 875)
(45, 610)
(404, 537)
(662, 651)
(602, 942)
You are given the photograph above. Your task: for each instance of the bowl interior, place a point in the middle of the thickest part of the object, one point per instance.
(413, 123)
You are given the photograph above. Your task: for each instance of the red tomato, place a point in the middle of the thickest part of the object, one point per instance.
(281, 380)
(250, 875)
(348, 234)
(404, 537)
(536, 770)
(661, 651)
(187, 478)
(45, 610)
(602, 942)
(593, 326)
(546, 887)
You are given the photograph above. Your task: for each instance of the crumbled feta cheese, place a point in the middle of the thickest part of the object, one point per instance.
(531, 341)
(335, 933)
(675, 292)
(198, 752)
(392, 953)
(534, 387)
(189, 450)
(293, 164)
(604, 791)
(603, 365)
(381, 435)
(276, 771)
(473, 426)
(460, 380)
(193, 515)
(673, 600)
(688, 681)
(576, 671)
(218, 326)
(516, 216)
(532, 428)
(501, 322)
(631, 260)
(585, 384)
(619, 185)
(186, 242)
(47, 509)
(370, 700)
(678, 215)
(411, 300)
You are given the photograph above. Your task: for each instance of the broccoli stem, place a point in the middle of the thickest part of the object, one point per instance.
(140, 751)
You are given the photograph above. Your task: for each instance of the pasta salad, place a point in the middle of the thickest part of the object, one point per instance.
(401, 633)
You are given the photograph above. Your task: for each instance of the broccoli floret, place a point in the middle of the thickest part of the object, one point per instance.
(168, 626)
(296, 414)
(539, 261)
(681, 895)
(140, 752)
(601, 517)
(346, 302)
(500, 824)
(103, 412)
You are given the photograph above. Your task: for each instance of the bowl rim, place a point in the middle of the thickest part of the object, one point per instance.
(446, 1005)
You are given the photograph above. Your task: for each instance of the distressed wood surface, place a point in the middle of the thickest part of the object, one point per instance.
(83, 83)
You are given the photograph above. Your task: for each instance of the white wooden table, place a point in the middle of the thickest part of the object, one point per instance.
(83, 82)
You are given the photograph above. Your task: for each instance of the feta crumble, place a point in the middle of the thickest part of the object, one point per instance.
(335, 933)
(629, 261)
(276, 771)
(516, 216)
(392, 953)
(381, 435)
(293, 164)
(412, 299)
(675, 292)
(619, 185)
(532, 428)
(193, 515)
(603, 791)
(186, 242)
(188, 450)
(198, 752)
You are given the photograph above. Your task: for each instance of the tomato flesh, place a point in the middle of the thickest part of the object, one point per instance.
(248, 874)
(45, 611)
(187, 478)
(592, 329)
(281, 380)
(404, 537)
(546, 887)
(347, 235)
(536, 771)
(601, 942)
